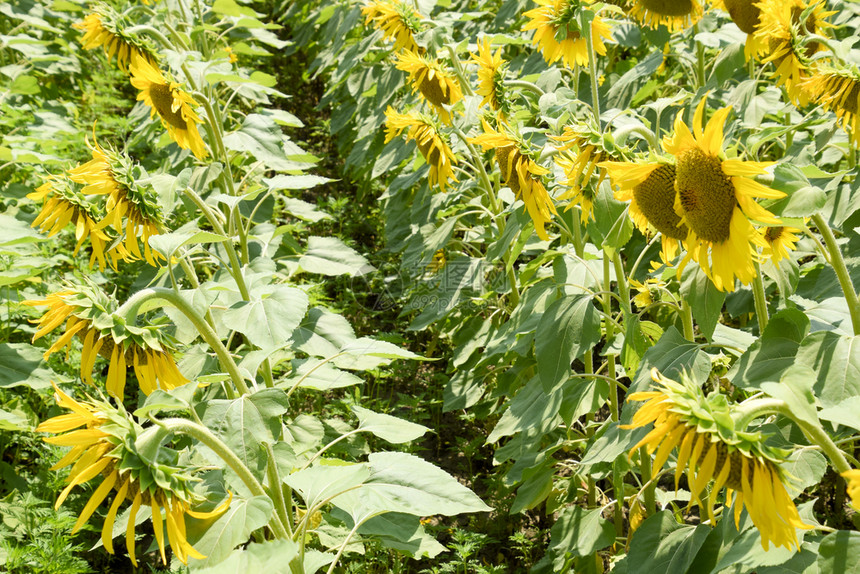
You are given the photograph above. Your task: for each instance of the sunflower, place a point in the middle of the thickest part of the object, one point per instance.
(837, 88)
(520, 172)
(115, 175)
(746, 15)
(710, 448)
(780, 240)
(676, 15)
(63, 205)
(397, 20)
(647, 292)
(491, 79)
(853, 478)
(783, 32)
(557, 31)
(715, 197)
(650, 189)
(436, 151)
(583, 148)
(173, 105)
(103, 448)
(144, 349)
(436, 84)
(105, 28)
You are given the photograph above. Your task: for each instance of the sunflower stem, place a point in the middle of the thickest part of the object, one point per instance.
(592, 73)
(760, 300)
(687, 321)
(458, 70)
(609, 329)
(162, 39)
(204, 435)
(525, 85)
(128, 311)
(650, 502)
(700, 58)
(838, 263)
(276, 489)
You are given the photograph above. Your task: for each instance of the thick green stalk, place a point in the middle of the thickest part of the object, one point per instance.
(687, 321)
(838, 263)
(592, 73)
(760, 301)
(204, 435)
(276, 489)
(129, 311)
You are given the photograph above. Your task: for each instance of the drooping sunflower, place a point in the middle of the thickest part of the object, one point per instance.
(746, 15)
(583, 148)
(62, 205)
(131, 207)
(104, 447)
(491, 79)
(520, 172)
(783, 32)
(836, 87)
(710, 448)
(171, 103)
(146, 349)
(676, 15)
(436, 84)
(397, 20)
(557, 31)
(715, 198)
(431, 143)
(650, 189)
(106, 28)
(780, 240)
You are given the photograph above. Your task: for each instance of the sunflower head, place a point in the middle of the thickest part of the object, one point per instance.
(430, 140)
(716, 196)
(559, 33)
(836, 86)
(710, 447)
(647, 292)
(87, 314)
(433, 80)
(676, 15)
(779, 241)
(105, 27)
(399, 21)
(105, 441)
(491, 79)
(519, 171)
(852, 477)
(167, 100)
(131, 206)
(784, 31)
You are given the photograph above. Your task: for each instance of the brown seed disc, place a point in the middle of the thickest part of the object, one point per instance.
(432, 90)
(656, 199)
(744, 13)
(707, 195)
(668, 7)
(162, 100)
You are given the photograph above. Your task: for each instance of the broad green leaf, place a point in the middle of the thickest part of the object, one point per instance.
(623, 89)
(262, 138)
(268, 320)
(660, 544)
(23, 365)
(303, 210)
(795, 388)
(326, 480)
(257, 77)
(216, 538)
(320, 375)
(271, 557)
(161, 401)
(807, 467)
(769, 357)
(168, 243)
(14, 421)
(402, 532)
(365, 346)
(579, 532)
(804, 562)
(387, 427)
(331, 256)
(835, 361)
(746, 554)
(531, 408)
(281, 182)
(401, 482)
(583, 395)
(15, 232)
(568, 328)
(706, 301)
(536, 486)
(231, 8)
(845, 413)
(839, 553)
(671, 355)
(611, 228)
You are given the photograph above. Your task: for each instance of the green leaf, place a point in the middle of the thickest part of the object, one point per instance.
(531, 408)
(807, 467)
(23, 365)
(839, 553)
(611, 227)
(216, 538)
(671, 355)
(303, 210)
(660, 544)
(568, 328)
(704, 298)
(269, 318)
(769, 357)
(402, 532)
(13, 421)
(231, 8)
(15, 232)
(281, 182)
(326, 480)
(536, 486)
(331, 256)
(835, 360)
(168, 243)
(271, 557)
(845, 413)
(578, 532)
(262, 138)
(365, 346)
(387, 427)
(795, 388)
(320, 375)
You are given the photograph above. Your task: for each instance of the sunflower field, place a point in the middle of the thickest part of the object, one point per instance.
(429, 286)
